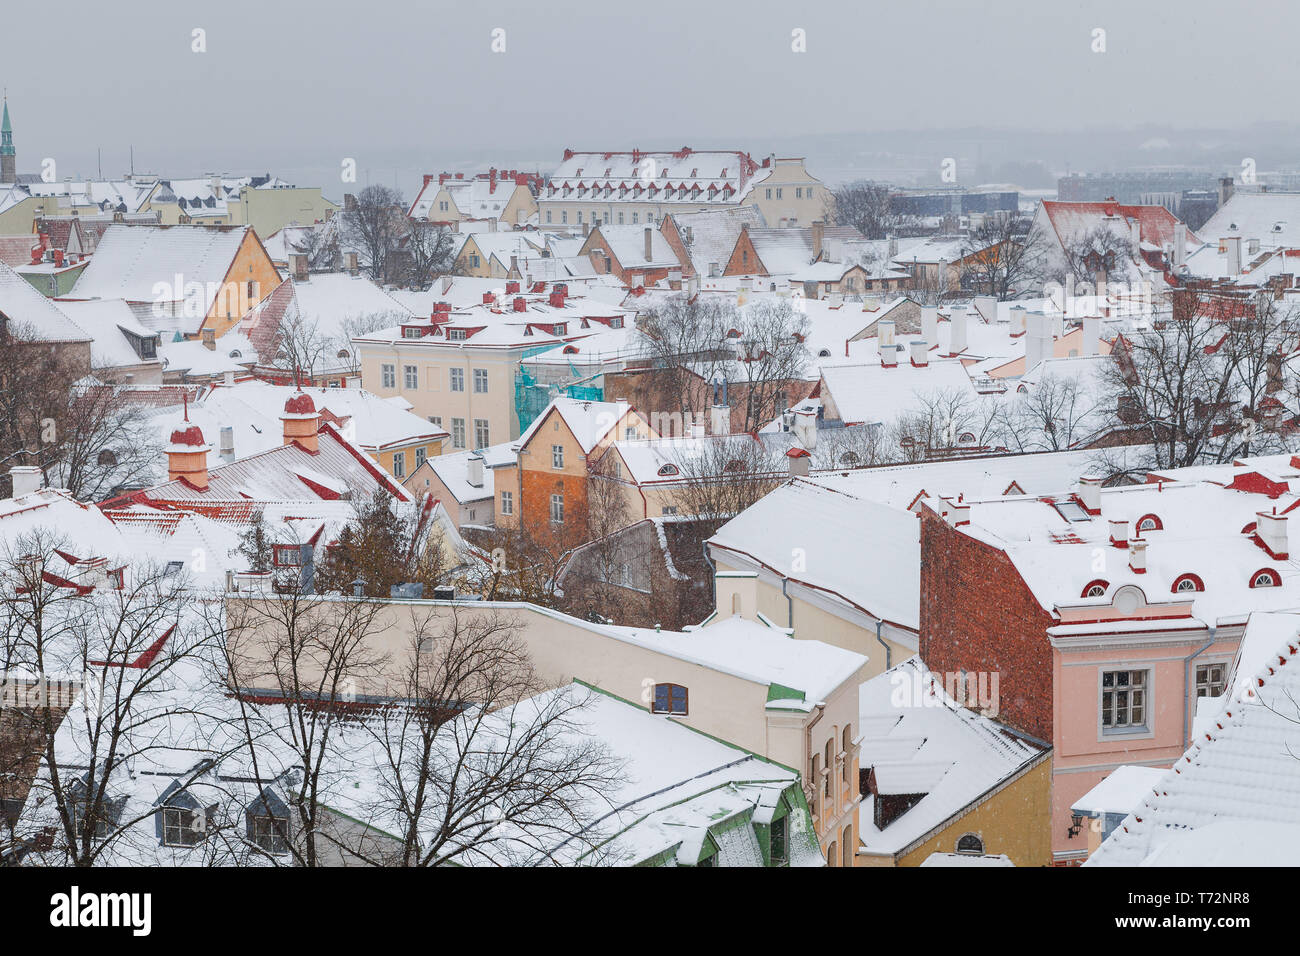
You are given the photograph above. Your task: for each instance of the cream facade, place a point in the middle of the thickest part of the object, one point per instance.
(789, 195)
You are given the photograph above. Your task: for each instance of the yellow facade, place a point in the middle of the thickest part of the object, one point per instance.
(251, 278)
(401, 461)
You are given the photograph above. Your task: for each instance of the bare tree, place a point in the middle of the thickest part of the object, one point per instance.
(430, 252)
(868, 207)
(771, 358)
(117, 657)
(999, 259)
(375, 221)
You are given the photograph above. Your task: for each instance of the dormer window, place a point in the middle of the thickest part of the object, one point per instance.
(287, 555)
(970, 845)
(268, 831)
(1095, 589)
(1187, 582)
(670, 699)
(457, 335)
(1148, 523)
(666, 471)
(1266, 578)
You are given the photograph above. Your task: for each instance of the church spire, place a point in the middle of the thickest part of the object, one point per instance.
(8, 159)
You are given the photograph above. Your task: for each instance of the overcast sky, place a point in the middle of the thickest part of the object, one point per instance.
(288, 85)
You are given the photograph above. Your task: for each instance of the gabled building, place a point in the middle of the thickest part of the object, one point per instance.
(197, 281)
(505, 196)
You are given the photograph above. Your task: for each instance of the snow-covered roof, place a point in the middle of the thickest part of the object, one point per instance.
(131, 262)
(589, 421)
(108, 321)
(1234, 797)
(453, 471)
(689, 176)
(829, 527)
(916, 739)
(1121, 791)
(1272, 218)
(31, 314)
(876, 393)
(710, 236)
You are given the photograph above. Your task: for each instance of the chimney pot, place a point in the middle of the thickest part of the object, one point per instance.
(26, 479)
(1089, 492)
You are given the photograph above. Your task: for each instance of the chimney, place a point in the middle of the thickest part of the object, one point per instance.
(1135, 233)
(474, 470)
(351, 264)
(818, 234)
(1119, 532)
(958, 512)
(586, 228)
(1091, 335)
(1225, 189)
(695, 429)
(1272, 530)
(301, 422)
(720, 419)
(1089, 493)
(1137, 556)
(1180, 244)
(227, 442)
(349, 202)
(228, 377)
(514, 266)
(1037, 342)
(675, 279)
(187, 455)
(649, 244)
(1234, 255)
(885, 333)
(920, 353)
(520, 304)
(298, 266)
(209, 339)
(26, 479)
(737, 593)
(798, 459)
(888, 356)
(1018, 313)
(957, 335)
(930, 323)
(216, 187)
(512, 287)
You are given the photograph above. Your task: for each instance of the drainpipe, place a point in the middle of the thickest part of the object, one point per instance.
(1187, 682)
(789, 603)
(713, 572)
(888, 651)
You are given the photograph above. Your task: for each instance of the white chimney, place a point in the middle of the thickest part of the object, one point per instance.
(1018, 313)
(1272, 530)
(930, 323)
(987, 307)
(1234, 255)
(1089, 492)
(1056, 323)
(26, 479)
(1135, 233)
(957, 335)
(885, 333)
(695, 430)
(1119, 532)
(798, 459)
(474, 470)
(1037, 342)
(920, 352)
(805, 428)
(1137, 556)
(888, 356)
(1180, 244)
(1091, 335)
(720, 419)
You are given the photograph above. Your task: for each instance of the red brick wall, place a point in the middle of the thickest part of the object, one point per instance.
(977, 614)
(744, 259)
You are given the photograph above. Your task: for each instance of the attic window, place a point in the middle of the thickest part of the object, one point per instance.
(107, 458)
(824, 353)
(1187, 582)
(268, 832)
(1266, 578)
(971, 845)
(235, 353)
(182, 826)
(1149, 523)
(670, 699)
(667, 470)
(173, 567)
(1095, 589)
(343, 353)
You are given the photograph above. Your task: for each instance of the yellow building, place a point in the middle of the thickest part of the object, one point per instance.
(500, 195)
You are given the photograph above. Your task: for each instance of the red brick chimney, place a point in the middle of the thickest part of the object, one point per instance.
(187, 455)
(301, 422)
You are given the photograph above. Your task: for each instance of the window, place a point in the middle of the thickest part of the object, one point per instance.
(1148, 523)
(268, 832)
(420, 456)
(846, 744)
(457, 335)
(458, 380)
(971, 845)
(435, 420)
(798, 192)
(473, 261)
(1187, 582)
(480, 381)
(287, 556)
(411, 376)
(181, 827)
(458, 433)
(670, 509)
(778, 193)
(557, 456)
(548, 215)
(1094, 589)
(507, 502)
(830, 765)
(564, 216)
(557, 509)
(481, 433)
(769, 194)
(1211, 680)
(670, 699)
(846, 845)
(1266, 578)
(780, 842)
(667, 470)
(629, 433)
(399, 465)
(389, 374)
(1123, 700)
